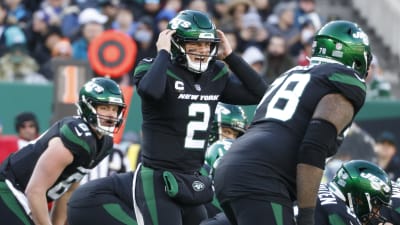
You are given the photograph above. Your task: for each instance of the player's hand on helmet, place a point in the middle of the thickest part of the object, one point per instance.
(164, 40)
(225, 46)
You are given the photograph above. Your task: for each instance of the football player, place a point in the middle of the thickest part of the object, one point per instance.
(230, 122)
(392, 214)
(281, 157)
(356, 195)
(180, 89)
(50, 167)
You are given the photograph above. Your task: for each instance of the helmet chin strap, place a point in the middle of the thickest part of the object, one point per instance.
(197, 67)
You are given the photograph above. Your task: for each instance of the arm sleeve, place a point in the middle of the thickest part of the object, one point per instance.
(76, 143)
(247, 75)
(150, 80)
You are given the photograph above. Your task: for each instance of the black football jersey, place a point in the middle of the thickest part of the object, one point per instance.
(76, 135)
(175, 126)
(392, 214)
(331, 210)
(269, 148)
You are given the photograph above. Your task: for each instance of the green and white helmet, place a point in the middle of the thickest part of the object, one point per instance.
(192, 26)
(365, 187)
(345, 42)
(100, 91)
(227, 115)
(215, 152)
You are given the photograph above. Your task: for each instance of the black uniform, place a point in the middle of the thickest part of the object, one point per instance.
(261, 164)
(16, 170)
(332, 210)
(105, 201)
(393, 214)
(178, 107)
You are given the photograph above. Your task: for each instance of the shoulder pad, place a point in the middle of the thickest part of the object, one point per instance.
(76, 136)
(143, 66)
(220, 70)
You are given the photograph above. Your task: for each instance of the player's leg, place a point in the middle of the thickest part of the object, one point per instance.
(11, 212)
(100, 202)
(152, 204)
(219, 219)
(193, 215)
(245, 211)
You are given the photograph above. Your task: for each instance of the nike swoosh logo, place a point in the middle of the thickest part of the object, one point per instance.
(77, 132)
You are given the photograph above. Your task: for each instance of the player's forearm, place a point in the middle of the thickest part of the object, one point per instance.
(59, 212)
(247, 75)
(39, 209)
(308, 180)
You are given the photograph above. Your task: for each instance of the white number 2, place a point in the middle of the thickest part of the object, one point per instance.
(194, 110)
(289, 93)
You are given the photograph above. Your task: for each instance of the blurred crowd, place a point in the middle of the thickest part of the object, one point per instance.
(271, 35)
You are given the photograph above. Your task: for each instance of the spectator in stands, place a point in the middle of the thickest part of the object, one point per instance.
(199, 5)
(27, 128)
(263, 7)
(305, 11)
(91, 22)
(236, 10)
(42, 51)
(54, 10)
(125, 21)
(144, 37)
(16, 64)
(377, 86)
(17, 13)
(282, 23)
(3, 27)
(306, 39)
(255, 58)
(277, 59)
(110, 8)
(386, 154)
(162, 19)
(252, 32)
(69, 23)
(62, 50)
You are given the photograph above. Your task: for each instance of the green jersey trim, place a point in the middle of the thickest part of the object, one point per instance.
(335, 219)
(141, 68)
(346, 79)
(119, 214)
(221, 73)
(70, 135)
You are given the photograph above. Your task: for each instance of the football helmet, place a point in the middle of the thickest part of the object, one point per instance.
(101, 91)
(345, 42)
(215, 152)
(365, 187)
(193, 26)
(226, 115)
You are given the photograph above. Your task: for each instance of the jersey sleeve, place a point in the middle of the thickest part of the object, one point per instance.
(150, 75)
(77, 137)
(350, 85)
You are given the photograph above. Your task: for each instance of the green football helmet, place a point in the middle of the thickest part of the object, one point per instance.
(101, 91)
(193, 26)
(215, 152)
(345, 42)
(365, 187)
(227, 115)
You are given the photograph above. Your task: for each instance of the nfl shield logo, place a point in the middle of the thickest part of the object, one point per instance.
(197, 87)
